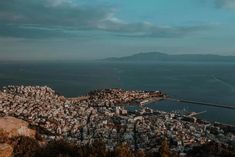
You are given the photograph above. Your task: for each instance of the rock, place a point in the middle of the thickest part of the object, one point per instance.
(6, 150)
(12, 127)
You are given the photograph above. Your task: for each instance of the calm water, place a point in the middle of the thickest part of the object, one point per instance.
(209, 82)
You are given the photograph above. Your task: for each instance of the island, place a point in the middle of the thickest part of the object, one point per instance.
(164, 57)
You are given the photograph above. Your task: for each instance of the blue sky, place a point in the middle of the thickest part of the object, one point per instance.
(85, 29)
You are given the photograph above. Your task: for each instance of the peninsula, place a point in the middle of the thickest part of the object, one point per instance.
(102, 115)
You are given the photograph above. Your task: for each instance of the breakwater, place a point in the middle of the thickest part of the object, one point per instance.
(202, 103)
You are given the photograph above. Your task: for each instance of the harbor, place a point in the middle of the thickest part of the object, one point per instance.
(101, 114)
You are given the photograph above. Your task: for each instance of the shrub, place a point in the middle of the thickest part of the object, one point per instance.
(58, 149)
(24, 146)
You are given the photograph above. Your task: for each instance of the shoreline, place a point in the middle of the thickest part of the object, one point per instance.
(101, 115)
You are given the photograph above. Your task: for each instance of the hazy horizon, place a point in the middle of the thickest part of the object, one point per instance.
(87, 30)
(102, 59)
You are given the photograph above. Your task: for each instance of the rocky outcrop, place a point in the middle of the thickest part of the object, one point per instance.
(6, 150)
(13, 127)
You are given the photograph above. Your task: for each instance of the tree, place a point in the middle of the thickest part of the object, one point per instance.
(123, 150)
(164, 150)
(140, 153)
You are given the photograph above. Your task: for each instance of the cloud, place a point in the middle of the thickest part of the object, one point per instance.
(59, 2)
(40, 12)
(21, 31)
(227, 4)
(56, 18)
(146, 29)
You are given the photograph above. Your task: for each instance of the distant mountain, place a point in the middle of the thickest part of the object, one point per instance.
(158, 56)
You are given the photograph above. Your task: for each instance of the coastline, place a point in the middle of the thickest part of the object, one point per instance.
(101, 115)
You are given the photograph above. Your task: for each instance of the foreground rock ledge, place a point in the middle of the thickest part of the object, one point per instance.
(13, 127)
(6, 150)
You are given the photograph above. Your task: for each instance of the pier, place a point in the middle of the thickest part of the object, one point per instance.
(201, 103)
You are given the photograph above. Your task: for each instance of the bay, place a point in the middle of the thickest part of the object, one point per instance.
(212, 82)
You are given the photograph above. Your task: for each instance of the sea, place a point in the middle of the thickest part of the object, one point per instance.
(212, 82)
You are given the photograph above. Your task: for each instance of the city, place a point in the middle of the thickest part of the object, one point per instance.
(103, 114)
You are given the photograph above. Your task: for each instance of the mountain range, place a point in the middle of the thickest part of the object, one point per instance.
(158, 56)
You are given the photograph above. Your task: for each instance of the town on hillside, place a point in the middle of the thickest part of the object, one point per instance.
(103, 114)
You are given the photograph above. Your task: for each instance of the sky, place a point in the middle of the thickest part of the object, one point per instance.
(94, 29)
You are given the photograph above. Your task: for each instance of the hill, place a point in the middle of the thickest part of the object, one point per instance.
(158, 56)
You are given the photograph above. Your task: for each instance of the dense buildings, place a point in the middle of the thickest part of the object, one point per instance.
(102, 115)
